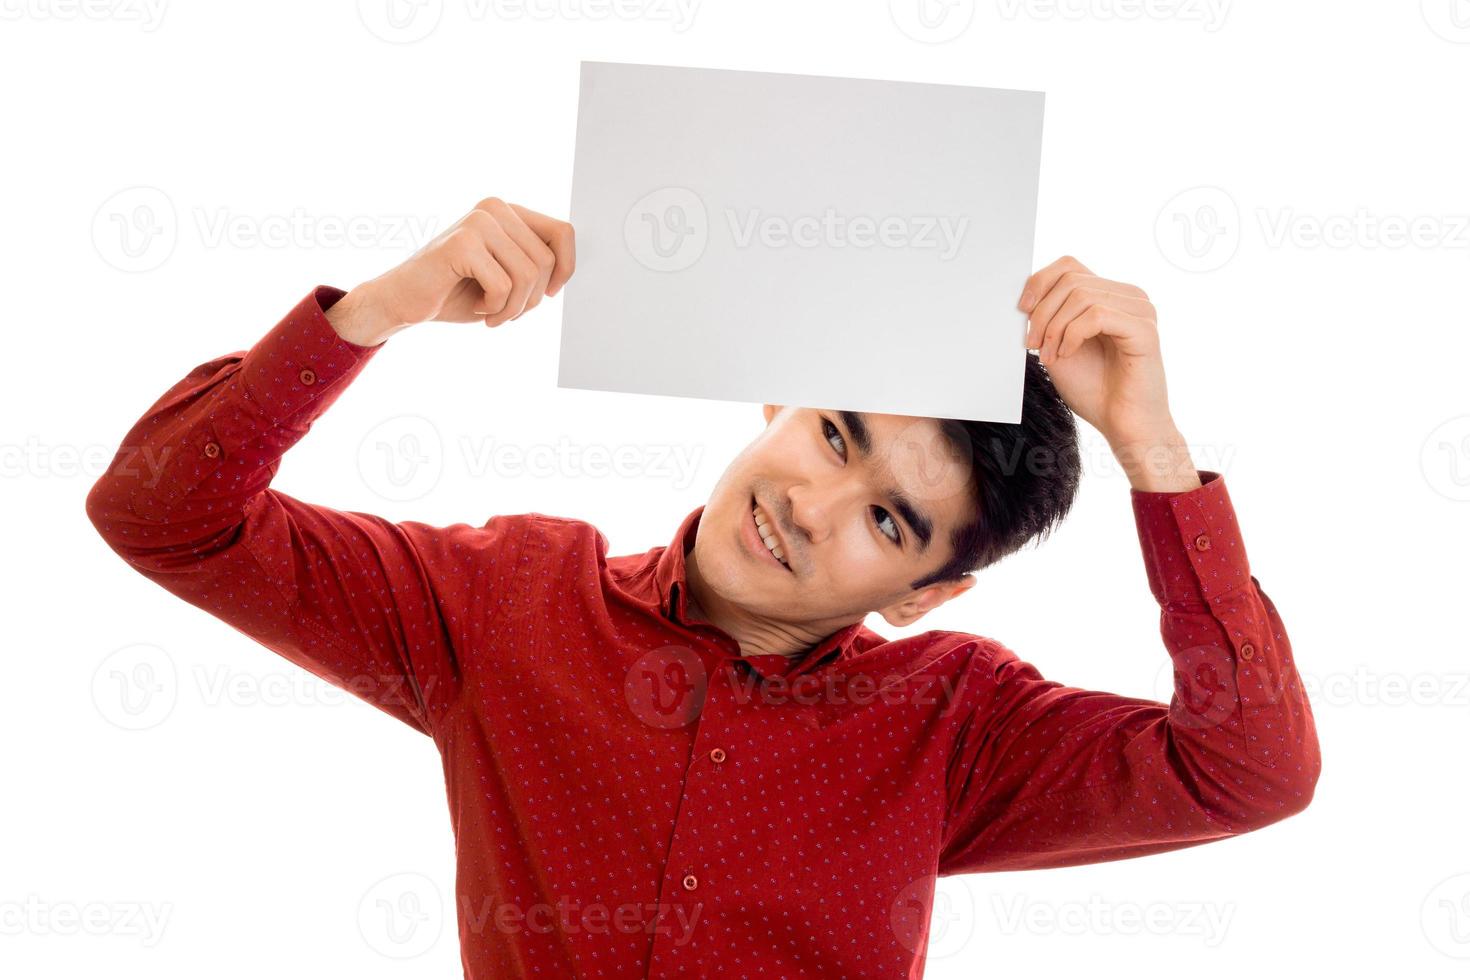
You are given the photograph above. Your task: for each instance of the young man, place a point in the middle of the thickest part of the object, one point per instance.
(698, 760)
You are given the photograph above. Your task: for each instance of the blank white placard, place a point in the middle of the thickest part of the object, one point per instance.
(801, 240)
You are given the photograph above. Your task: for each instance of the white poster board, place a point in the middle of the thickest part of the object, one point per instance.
(801, 240)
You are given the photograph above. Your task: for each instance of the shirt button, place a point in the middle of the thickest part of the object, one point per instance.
(1202, 543)
(690, 883)
(717, 755)
(308, 376)
(1247, 651)
(211, 449)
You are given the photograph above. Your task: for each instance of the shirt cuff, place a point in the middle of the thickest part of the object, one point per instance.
(302, 360)
(1192, 547)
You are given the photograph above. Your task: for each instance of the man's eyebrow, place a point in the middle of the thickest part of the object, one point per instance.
(856, 424)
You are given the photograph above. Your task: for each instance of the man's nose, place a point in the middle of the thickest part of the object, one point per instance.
(814, 508)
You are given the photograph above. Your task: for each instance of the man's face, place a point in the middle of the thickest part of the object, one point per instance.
(851, 499)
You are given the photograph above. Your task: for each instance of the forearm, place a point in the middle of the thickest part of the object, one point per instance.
(190, 465)
(1237, 685)
(1156, 462)
(361, 318)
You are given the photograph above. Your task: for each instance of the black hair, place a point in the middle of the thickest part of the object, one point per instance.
(1024, 477)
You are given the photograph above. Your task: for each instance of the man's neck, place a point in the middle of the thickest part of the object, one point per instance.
(754, 634)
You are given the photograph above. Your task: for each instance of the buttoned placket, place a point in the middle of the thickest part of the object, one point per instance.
(685, 882)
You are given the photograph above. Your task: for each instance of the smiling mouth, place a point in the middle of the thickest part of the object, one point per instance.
(760, 519)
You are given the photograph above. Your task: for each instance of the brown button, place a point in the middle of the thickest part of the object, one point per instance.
(1247, 651)
(308, 376)
(690, 883)
(717, 755)
(1202, 542)
(211, 449)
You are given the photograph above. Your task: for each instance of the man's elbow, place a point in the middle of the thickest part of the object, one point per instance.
(108, 510)
(1288, 787)
(102, 507)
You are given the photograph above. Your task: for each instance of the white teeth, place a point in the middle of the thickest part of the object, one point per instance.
(762, 524)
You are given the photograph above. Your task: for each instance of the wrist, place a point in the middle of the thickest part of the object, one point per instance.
(1156, 461)
(359, 318)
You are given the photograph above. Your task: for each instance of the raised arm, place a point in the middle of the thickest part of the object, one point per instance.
(366, 604)
(1044, 775)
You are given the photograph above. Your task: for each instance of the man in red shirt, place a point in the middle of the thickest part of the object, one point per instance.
(698, 760)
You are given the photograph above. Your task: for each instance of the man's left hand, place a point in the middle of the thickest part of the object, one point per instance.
(1099, 340)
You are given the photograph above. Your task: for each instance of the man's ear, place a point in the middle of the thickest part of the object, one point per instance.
(769, 411)
(910, 608)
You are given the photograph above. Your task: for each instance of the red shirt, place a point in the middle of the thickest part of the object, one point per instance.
(632, 797)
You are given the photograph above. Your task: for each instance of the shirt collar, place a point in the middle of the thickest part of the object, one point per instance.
(670, 574)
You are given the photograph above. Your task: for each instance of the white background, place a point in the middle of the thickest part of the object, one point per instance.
(1324, 377)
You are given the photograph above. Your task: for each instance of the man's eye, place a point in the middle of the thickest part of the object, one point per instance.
(826, 424)
(889, 518)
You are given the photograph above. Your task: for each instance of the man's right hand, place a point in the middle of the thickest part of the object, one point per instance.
(493, 264)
